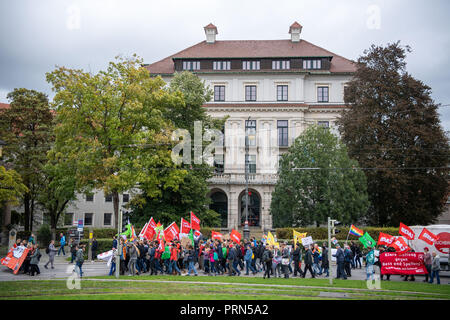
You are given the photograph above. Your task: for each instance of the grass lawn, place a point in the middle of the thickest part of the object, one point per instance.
(216, 288)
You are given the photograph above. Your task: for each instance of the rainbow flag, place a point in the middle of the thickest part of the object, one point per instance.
(355, 231)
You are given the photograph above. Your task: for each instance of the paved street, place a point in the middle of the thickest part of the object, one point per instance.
(99, 268)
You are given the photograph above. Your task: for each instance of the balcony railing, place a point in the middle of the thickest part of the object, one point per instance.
(239, 178)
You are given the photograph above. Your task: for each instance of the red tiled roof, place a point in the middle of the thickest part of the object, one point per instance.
(4, 105)
(253, 49)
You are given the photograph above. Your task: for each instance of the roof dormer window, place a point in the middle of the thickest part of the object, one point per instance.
(312, 64)
(281, 65)
(250, 65)
(191, 65)
(221, 65)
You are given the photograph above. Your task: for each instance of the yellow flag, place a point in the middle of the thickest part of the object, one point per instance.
(298, 237)
(270, 239)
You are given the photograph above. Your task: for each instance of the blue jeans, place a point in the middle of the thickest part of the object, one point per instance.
(235, 264)
(61, 249)
(113, 268)
(433, 274)
(316, 268)
(173, 264)
(78, 267)
(248, 265)
(191, 267)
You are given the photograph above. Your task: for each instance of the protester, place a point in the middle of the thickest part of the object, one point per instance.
(370, 260)
(308, 262)
(174, 259)
(285, 259)
(435, 268)
(112, 270)
(34, 261)
(427, 259)
(248, 260)
(267, 258)
(297, 258)
(316, 259)
(73, 250)
(79, 260)
(94, 248)
(190, 259)
(133, 253)
(276, 262)
(51, 251)
(340, 260)
(325, 264)
(348, 258)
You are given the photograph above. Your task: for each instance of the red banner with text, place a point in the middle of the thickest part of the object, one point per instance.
(402, 263)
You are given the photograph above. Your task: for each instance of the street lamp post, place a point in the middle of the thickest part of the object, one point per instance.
(246, 228)
(119, 246)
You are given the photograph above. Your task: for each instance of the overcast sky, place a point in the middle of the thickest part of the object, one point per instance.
(37, 35)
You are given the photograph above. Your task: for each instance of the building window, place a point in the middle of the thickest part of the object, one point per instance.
(107, 217)
(324, 124)
(250, 93)
(218, 163)
(221, 65)
(322, 94)
(88, 219)
(68, 219)
(281, 65)
(251, 162)
(250, 132)
(191, 65)
(219, 93)
(125, 197)
(282, 93)
(282, 132)
(250, 65)
(312, 64)
(89, 197)
(108, 198)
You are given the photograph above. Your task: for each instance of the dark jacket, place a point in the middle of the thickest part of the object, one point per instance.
(339, 255)
(325, 263)
(308, 257)
(297, 254)
(232, 254)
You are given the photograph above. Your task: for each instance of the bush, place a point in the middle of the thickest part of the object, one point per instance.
(322, 233)
(44, 236)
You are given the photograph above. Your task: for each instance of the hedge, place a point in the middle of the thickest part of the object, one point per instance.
(322, 233)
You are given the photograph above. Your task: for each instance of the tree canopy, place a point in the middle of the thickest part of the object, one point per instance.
(317, 180)
(392, 128)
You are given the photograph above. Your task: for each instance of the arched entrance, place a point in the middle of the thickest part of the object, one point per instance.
(254, 208)
(220, 205)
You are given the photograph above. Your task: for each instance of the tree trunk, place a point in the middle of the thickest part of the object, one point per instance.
(115, 196)
(53, 222)
(26, 214)
(31, 214)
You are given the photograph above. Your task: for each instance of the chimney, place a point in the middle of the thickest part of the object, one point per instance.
(295, 29)
(210, 31)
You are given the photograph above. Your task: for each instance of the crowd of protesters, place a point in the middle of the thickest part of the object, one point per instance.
(216, 257)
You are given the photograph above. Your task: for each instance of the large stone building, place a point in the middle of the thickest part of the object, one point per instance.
(271, 90)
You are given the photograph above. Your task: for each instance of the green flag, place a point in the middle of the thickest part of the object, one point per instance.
(367, 240)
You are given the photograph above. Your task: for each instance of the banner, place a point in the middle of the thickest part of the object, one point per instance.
(105, 256)
(298, 236)
(405, 231)
(367, 240)
(307, 241)
(406, 263)
(185, 226)
(400, 245)
(385, 239)
(235, 236)
(5, 260)
(270, 239)
(195, 222)
(171, 232)
(216, 235)
(15, 258)
(428, 237)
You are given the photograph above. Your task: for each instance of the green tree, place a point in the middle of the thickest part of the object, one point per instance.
(191, 194)
(317, 180)
(11, 186)
(111, 127)
(26, 127)
(392, 124)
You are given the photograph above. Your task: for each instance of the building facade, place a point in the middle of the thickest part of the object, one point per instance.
(270, 90)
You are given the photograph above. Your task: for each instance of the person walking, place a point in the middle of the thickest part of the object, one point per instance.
(34, 261)
(173, 259)
(248, 260)
(73, 250)
(435, 268)
(112, 270)
(308, 262)
(348, 258)
(31, 239)
(62, 242)
(285, 260)
(340, 260)
(316, 259)
(276, 262)
(51, 251)
(79, 260)
(133, 253)
(191, 260)
(230, 259)
(94, 249)
(267, 258)
(297, 258)
(325, 262)
(428, 260)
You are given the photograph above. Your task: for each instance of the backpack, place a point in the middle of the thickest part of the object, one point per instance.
(266, 256)
(47, 250)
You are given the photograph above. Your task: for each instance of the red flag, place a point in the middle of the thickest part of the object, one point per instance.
(149, 232)
(405, 231)
(235, 236)
(152, 223)
(428, 237)
(385, 239)
(216, 235)
(171, 232)
(195, 222)
(185, 226)
(141, 234)
(400, 245)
